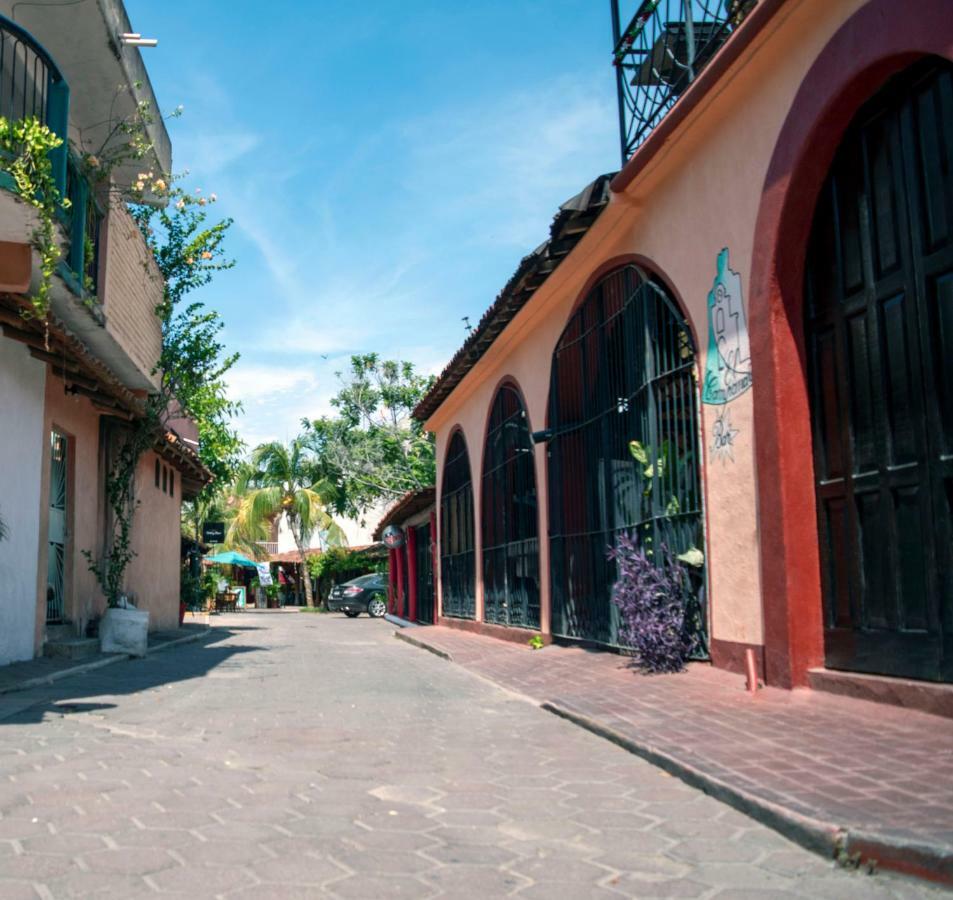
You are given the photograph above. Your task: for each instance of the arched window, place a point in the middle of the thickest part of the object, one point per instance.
(457, 561)
(508, 516)
(624, 456)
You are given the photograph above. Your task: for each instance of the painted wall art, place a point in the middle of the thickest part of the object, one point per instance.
(728, 364)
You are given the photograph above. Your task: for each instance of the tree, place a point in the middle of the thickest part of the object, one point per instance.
(191, 365)
(189, 254)
(280, 482)
(373, 449)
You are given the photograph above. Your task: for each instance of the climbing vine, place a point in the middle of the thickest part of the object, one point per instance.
(25, 145)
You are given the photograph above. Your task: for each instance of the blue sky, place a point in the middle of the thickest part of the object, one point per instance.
(387, 165)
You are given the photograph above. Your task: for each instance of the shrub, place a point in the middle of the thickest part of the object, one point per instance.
(652, 598)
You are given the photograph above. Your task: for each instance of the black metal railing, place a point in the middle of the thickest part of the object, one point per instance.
(623, 378)
(457, 555)
(509, 517)
(661, 50)
(31, 84)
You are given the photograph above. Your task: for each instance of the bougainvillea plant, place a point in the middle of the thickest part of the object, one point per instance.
(652, 593)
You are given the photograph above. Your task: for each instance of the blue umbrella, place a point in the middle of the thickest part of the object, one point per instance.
(231, 558)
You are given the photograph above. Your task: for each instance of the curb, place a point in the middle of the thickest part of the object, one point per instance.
(821, 837)
(422, 645)
(399, 622)
(929, 862)
(851, 848)
(94, 664)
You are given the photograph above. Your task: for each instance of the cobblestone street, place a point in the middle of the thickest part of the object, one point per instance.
(291, 755)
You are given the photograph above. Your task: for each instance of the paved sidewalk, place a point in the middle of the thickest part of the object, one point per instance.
(841, 776)
(23, 675)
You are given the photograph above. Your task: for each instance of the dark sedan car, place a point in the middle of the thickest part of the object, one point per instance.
(365, 594)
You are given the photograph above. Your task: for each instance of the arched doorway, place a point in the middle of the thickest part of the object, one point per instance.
(457, 560)
(624, 453)
(879, 336)
(509, 516)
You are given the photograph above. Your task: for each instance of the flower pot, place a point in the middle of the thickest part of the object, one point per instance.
(124, 631)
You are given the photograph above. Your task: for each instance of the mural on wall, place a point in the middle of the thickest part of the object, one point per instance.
(723, 435)
(728, 364)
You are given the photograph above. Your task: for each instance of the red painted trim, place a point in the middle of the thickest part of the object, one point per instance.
(392, 581)
(739, 41)
(877, 41)
(435, 563)
(401, 582)
(411, 572)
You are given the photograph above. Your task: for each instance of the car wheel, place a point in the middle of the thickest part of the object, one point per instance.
(376, 606)
(351, 614)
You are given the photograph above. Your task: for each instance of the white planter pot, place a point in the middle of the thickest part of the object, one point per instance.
(124, 631)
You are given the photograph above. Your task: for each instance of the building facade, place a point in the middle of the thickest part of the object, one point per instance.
(738, 348)
(72, 383)
(408, 531)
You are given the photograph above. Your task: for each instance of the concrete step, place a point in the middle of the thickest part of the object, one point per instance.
(71, 648)
(60, 631)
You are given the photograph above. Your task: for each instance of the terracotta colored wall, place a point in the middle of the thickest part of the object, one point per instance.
(699, 195)
(132, 290)
(153, 576)
(78, 419)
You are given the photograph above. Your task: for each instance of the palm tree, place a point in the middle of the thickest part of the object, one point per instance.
(280, 481)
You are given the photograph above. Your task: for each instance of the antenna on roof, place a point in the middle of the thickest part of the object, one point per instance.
(467, 325)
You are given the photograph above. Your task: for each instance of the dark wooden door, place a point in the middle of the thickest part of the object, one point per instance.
(424, 553)
(879, 317)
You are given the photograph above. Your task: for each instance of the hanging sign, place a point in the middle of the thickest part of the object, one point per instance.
(213, 533)
(264, 574)
(393, 537)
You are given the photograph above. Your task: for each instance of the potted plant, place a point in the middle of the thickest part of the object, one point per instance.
(124, 629)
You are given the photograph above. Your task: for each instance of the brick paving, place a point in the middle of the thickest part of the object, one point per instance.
(15, 675)
(314, 756)
(875, 778)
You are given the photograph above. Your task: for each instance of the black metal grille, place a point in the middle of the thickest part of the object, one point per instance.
(24, 76)
(457, 557)
(623, 371)
(424, 553)
(509, 518)
(661, 51)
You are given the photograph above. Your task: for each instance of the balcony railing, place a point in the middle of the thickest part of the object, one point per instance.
(83, 221)
(661, 51)
(31, 84)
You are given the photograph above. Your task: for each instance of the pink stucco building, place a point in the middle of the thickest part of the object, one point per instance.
(71, 383)
(762, 300)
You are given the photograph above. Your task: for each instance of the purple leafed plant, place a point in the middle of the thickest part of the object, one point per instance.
(652, 599)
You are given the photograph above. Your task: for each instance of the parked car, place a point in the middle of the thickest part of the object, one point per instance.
(367, 594)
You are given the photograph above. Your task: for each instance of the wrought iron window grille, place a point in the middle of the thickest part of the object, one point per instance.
(457, 552)
(627, 340)
(509, 517)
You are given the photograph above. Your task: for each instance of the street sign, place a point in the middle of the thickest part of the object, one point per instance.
(213, 533)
